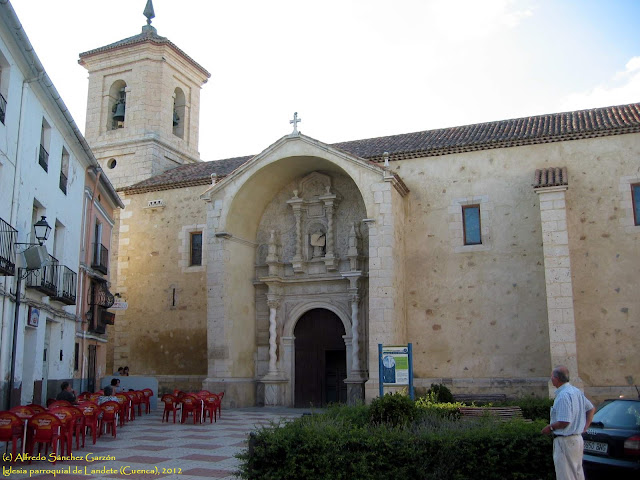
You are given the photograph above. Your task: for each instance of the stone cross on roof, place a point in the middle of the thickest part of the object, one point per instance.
(295, 122)
(148, 11)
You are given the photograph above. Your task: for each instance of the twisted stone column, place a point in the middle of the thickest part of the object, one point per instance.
(273, 302)
(355, 340)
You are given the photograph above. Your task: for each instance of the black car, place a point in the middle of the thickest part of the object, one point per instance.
(612, 442)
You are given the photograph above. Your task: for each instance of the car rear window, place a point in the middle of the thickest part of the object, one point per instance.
(619, 414)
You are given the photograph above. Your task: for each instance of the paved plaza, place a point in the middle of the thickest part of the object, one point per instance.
(172, 451)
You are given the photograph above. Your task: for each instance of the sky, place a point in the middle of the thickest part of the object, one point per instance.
(356, 69)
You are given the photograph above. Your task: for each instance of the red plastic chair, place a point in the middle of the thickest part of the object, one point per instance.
(79, 429)
(23, 411)
(211, 406)
(58, 403)
(125, 408)
(11, 429)
(133, 401)
(171, 404)
(44, 428)
(110, 412)
(36, 408)
(68, 420)
(84, 396)
(90, 411)
(148, 393)
(191, 405)
(220, 396)
(93, 398)
(140, 401)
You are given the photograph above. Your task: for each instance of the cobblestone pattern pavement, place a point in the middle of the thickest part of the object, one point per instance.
(173, 451)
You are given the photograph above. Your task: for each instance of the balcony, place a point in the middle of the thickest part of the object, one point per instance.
(44, 279)
(43, 158)
(63, 183)
(100, 299)
(3, 108)
(8, 237)
(67, 285)
(100, 260)
(104, 318)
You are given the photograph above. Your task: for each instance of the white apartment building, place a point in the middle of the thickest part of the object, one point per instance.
(44, 164)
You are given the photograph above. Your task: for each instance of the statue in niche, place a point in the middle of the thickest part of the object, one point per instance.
(318, 242)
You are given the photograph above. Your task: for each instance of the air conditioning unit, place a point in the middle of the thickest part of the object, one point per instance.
(35, 257)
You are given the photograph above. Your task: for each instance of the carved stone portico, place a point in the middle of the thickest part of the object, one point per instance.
(292, 235)
(316, 269)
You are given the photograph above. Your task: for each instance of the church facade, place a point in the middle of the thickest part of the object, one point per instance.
(497, 250)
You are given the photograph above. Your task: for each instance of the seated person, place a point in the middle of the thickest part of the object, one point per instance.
(115, 385)
(107, 397)
(67, 393)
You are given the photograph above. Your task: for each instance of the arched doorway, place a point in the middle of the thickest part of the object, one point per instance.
(320, 359)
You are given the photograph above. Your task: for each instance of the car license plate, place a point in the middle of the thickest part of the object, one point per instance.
(596, 447)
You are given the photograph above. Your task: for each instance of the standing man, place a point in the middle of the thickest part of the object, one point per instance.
(571, 415)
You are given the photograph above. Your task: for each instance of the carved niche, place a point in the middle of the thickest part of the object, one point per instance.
(314, 207)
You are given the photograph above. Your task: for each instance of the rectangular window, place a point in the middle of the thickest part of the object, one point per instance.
(196, 249)
(3, 108)
(4, 84)
(45, 139)
(64, 170)
(76, 357)
(635, 198)
(471, 224)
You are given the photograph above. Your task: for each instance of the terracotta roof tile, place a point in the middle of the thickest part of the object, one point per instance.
(147, 35)
(188, 175)
(555, 127)
(550, 177)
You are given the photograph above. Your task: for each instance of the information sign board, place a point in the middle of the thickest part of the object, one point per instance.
(395, 367)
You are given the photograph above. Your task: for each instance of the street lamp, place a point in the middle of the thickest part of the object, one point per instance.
(42, 230)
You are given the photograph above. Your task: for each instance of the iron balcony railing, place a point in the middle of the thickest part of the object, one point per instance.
(63, 183)
(43, 158)
(8, 237)
(67, 284)
(100, 299)
(100, 258)
(44, 278)
(3, 108)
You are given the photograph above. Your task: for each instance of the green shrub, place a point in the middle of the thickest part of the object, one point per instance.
(532, 407)
(357, 415)
(450, 410)
(440, 393)
(393, 409)
(319, 447)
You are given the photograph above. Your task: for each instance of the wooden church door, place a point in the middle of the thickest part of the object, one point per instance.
(320, 359)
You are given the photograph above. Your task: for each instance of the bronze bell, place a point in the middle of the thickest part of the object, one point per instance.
(176, 118)
(119, 112)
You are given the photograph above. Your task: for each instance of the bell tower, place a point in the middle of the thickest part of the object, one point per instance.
(143, 108)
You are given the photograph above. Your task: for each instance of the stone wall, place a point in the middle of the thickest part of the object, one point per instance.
(164, 329)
